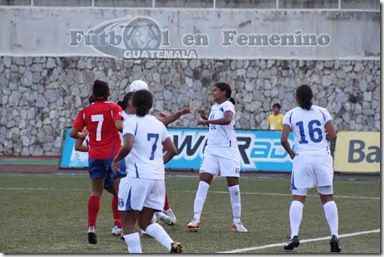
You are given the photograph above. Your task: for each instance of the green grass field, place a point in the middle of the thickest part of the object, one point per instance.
(48, 214)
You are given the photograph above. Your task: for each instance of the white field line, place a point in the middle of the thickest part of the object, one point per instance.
(241, 250)
(214, 192)
(274, 194)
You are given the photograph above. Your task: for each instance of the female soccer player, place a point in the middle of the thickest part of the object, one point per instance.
(220, 155)
(166, 215)
(103, 120)
(81, 145)
(312, 163)
(142, 192)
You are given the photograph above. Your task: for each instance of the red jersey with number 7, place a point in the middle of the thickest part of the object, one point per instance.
(99, 118)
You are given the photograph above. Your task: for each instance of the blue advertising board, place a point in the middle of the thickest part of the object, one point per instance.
(70, 158)
(259, 150)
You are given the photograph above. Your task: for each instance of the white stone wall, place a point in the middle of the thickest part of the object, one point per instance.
(41, 96)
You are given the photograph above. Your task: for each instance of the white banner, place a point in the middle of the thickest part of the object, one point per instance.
(190, 33)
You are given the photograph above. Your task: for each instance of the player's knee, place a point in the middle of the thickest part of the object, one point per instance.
(232, 181)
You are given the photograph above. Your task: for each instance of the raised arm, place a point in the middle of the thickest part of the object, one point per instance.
(168, 119)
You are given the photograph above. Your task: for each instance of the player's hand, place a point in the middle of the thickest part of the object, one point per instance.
(85, 131)
(81, 135)
(115, 166)
(202, 122)
(292, 155)
(162, 115)
(185, 110)
(202, 112)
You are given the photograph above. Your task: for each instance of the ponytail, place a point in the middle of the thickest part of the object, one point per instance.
(306, 104)
(232, 100)
(141, 110)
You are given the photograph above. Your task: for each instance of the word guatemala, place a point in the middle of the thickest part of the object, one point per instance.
(133, 38)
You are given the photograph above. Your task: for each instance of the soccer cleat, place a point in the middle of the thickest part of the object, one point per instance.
(165, 218)
(292, 243)
(116, 231)
(176, 247)
(239, 227)
(194, 225)
(92, 239)
(122, 235)
(335, 244)
(170, 214)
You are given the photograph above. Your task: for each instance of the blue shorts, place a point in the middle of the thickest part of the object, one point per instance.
(108, 183)
(102, 169)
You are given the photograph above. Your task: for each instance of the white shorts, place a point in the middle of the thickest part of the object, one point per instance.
(214, 165)
(137, 193)
(325, 190)
(311, 171)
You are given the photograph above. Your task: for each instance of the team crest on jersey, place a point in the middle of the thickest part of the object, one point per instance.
(121, 202)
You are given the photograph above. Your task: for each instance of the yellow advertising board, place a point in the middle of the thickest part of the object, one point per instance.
(357, 152)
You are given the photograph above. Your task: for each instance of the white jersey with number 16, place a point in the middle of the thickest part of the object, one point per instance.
(308, 127)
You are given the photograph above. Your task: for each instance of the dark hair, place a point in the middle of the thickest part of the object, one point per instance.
(142, 100)
(228, 91)
(100, 90)
(276, 105)
(123, 104)
(305, 95)
(91, 99)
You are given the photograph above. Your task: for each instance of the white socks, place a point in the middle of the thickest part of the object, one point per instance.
(133, 242)
(201, 195)
(234, 193)
(331, 214)
(157, 232)
(295, 216)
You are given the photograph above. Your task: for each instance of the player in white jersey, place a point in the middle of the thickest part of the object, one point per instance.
(166, 215)
(221, 155)
(142, 191)
(312, 128)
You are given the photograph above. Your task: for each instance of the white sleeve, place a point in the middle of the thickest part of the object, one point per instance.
(229, 107)
(130, 128)
(327, 116)
(164, 135)
(287, 119)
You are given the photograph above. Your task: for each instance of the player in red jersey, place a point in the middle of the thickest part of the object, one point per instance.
(82, 145)
(103, 120)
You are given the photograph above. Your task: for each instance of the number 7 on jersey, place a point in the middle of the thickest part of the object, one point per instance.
(154, 146)
(99, 118)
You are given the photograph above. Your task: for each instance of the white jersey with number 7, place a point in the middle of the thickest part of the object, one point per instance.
(146, 157)
(308, 127)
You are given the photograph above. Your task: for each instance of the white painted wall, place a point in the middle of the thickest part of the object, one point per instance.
(44, 31)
